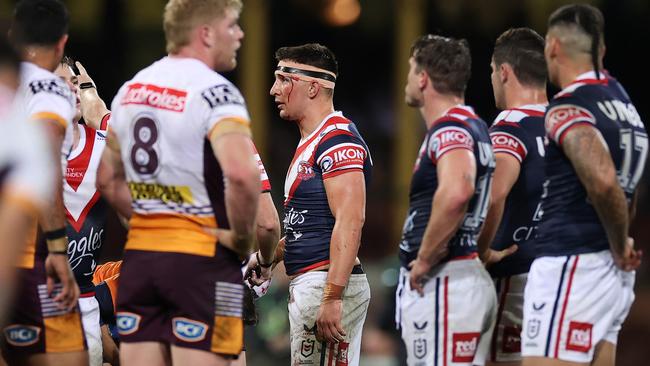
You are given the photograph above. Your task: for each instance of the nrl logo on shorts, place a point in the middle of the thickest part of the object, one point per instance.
(420, 348)
(22, 335)
(532, 329)
(307, 347)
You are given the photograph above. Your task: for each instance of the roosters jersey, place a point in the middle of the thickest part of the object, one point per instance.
(43, 96)
(459, 128)
(520, 132)
(85, 209)
(335, 147)
(570, 224)
(162, 118)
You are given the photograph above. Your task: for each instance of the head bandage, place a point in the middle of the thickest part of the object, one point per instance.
(308, 73)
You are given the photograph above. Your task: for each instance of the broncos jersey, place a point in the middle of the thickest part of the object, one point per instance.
(520, 133)
(570, 224)
(335, 147)
(458, 128)
(162, 119)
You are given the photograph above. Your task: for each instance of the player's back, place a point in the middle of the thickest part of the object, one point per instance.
(162, 118)
(570, 224)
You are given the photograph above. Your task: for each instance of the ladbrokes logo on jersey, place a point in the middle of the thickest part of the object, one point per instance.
(155, 96)
(464, 345)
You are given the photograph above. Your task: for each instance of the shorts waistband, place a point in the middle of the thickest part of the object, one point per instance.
(88, 294)
(357, 269)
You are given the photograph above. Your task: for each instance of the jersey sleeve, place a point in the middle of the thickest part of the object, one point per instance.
(264, 178)
(50, 99)
(509, 138)
(448, 137)
(563, 114)
(222, 101)
(340, 152)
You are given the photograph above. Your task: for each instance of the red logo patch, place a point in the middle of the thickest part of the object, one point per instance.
(502, 141)
(155, 96)
(342, 355)
(449, 138)
(342, 156)
(511, 341)
(465, 345)
(559, 118)
(579, 337)
(305, 171)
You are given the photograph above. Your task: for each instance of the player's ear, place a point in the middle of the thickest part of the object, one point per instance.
(423, 79)
(313, 89)
(60, 44)
(205, 34)
(505, 70)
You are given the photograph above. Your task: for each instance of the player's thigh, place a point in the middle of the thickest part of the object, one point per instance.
(420, 320)
(189, 356)
(54, 359)
(144, 353)
(91, 323)
(605, 354)
(305, 294)
(505, 346)
(240, 361)
(544, 361)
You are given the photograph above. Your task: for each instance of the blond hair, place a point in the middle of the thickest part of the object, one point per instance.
(182, 16)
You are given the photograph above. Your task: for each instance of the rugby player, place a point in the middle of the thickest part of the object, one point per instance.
(445, 298)
(519, 86)
(579, 288)
(180, 134)
(324, 208)
(86, 210)
(45, 326)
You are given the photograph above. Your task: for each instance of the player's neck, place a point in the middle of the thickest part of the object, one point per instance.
(521, 95)
(570, 72)
(436, 107)
(313, 118)
(192, 52)
(43, 57)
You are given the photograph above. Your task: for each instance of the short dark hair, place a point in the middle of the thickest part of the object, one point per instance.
(312, 54)
(523, 49)
(447, 61)
(9, 58)
(39, 22)
(587, 18)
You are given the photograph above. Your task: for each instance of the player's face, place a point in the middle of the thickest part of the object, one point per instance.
(227, 40)
(412, 93)
(65, 73)
(287, 96)
(497, 86)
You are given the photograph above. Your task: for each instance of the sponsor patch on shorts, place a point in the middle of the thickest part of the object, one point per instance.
(189, 330)
(22, 335)
(128, 323)
(464, 346)
(579, 337)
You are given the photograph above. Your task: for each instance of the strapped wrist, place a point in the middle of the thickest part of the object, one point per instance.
(332, 292)
(259, 261)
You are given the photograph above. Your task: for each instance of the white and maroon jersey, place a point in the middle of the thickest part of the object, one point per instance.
(520, 133)
(85, 209)
(162, 118)
(335, 147)
(43, 96)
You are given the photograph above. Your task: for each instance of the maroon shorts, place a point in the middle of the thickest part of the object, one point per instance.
(35, 323)
(182, 299)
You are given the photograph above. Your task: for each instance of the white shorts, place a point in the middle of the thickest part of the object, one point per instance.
(572, 303)
(305, 293)
(452, 323)
(90, 319)
(506, 339)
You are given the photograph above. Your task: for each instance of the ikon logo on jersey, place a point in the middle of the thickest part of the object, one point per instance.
(155, 96)
(189, 330)
(579, 337)
(22, 335)
(449, 138)
(464, 346)
(127, 323)
(505, 142)
(559, 118)
(343, 156)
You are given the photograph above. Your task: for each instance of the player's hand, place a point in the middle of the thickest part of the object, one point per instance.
(256, 274)
(83, 76)
(495, 256)
(328, 322)
(631, 258)
(57, 269)
(237, 243)
(419, 274)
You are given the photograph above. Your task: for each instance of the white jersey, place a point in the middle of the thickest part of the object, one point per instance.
(162, 119)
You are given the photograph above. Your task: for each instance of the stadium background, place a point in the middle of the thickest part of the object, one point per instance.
(371, 38)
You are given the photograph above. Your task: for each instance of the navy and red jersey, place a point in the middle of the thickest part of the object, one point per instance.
(335, 147)
(520, 133)
(459, 128)
(570, 224)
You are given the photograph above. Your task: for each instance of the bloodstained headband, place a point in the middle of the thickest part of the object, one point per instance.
(308, 73)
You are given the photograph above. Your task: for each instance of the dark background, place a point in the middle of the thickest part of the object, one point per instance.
(116, 38)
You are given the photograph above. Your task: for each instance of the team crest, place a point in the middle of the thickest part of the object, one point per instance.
(420, 348)
(305, 171)
(307, 347)
(532, 328)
